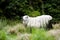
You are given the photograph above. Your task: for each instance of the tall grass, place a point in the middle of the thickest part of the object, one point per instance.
(4, 22)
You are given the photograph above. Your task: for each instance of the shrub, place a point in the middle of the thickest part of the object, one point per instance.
(34, 13)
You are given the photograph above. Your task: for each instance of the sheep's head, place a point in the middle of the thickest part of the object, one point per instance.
(25, 17)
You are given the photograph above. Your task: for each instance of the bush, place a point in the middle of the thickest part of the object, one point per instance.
(34, 13)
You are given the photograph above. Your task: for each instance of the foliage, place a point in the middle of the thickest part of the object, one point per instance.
(52, 8)
(34, 13)
(17, 8)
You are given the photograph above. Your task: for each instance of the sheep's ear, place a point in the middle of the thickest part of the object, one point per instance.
(27, 16)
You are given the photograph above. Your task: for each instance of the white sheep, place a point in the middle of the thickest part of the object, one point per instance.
(39, 21)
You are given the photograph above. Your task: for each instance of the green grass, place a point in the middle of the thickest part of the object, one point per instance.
(41, 34)
(2, 35)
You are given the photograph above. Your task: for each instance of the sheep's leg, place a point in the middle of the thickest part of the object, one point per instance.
(49, 25)
(30, 29)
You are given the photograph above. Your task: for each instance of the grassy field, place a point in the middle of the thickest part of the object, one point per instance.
(15, 30)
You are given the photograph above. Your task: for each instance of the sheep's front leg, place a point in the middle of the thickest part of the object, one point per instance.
(30, 29)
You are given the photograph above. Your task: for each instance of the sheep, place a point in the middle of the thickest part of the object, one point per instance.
(39, 21)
